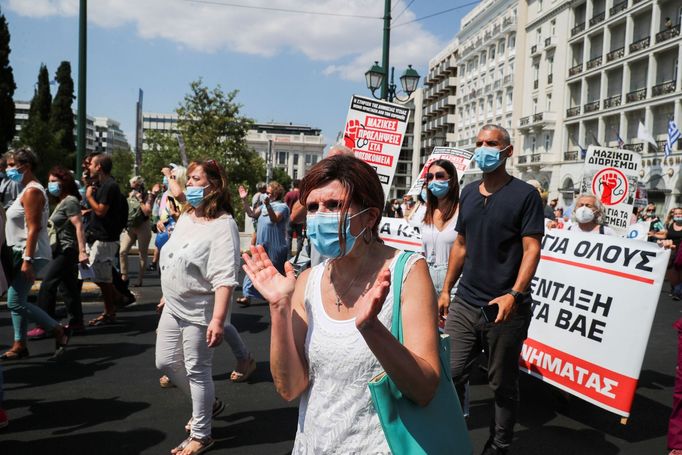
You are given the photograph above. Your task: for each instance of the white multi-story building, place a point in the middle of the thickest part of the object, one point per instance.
(109, 136)
(471, 81)
(295, 148)
(21, 110)
(623, 69)
(541, 93)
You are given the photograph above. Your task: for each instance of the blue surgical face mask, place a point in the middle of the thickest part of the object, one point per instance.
(165, 181)
(14, 175)
(195, 194)
(54, 188)
(323, 231)
(439, 188)
(423, 194)
(488, 158)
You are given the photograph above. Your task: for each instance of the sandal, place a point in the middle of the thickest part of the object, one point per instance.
(103, 319)
(237, 376)
(218, 407)
(244, 301)
(60, 343)
(15, 354)
(204, 444)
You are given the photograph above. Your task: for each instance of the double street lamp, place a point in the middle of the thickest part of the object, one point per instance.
(375, 80)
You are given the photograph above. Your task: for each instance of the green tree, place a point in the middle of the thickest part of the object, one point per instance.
(7, 87)
(280, 176)
(62, 121)
(36, 132)
(212, 127)
(161, 149)
(123, 166)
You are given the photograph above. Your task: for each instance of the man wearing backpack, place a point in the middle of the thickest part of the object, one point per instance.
(108, 217)
(138, 228)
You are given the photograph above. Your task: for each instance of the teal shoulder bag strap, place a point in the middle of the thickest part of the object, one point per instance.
(410, 429)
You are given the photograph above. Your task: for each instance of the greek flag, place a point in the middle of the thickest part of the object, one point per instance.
(621, 142)
(673, 136)
(583, 152)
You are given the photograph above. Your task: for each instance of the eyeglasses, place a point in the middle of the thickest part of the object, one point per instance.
(437, 175)
(331, 206)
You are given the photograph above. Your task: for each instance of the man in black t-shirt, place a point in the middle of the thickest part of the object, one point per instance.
(104, 231)
(496, 252)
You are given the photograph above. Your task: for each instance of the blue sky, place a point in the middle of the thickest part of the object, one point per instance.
(287, 67)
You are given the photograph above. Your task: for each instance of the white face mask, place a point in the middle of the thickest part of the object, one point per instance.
(584, 214)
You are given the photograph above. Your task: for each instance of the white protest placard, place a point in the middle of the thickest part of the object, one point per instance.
(639, 231)
(375, 131)
(400, 234)
(611, 175)
(594, 300)
(460, 158)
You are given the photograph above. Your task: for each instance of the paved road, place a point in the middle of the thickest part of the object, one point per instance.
(104, 398)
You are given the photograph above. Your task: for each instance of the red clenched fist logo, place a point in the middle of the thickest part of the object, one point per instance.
(610, 186)
(350, 137)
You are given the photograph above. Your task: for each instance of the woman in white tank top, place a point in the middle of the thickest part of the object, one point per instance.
(26, 233)
(331, 327)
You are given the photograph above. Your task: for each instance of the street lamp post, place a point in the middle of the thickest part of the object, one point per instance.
(376, 75)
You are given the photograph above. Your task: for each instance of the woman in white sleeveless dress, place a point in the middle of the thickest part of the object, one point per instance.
(331, 327)
(26, 233)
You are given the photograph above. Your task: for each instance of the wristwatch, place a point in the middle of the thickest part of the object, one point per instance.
(28, 259)
(516, 294)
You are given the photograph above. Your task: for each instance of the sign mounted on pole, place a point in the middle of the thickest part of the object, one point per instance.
(611, 175)
(375, 131)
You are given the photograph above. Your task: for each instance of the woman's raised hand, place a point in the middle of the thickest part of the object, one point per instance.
(243, 192)
(369, 305)
(276, 288)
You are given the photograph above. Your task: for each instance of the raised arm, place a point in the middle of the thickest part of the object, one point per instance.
(414, 366)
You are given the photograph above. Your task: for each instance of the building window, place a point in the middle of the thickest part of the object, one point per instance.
(512, 41)
(549, 102)
(535, 105)
(500, 48)
(281, 157)
(552, 27)
(548, 142)
(539, 5)
(308, 159)
(314, 159)
(295, 159)
(492, 52)
(532, 144)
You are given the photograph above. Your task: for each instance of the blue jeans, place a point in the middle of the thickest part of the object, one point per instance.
(21, 310)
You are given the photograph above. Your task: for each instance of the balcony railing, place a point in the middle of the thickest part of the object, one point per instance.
(550, 77)
(634, 147)
(577, 29)
(615, 54)
(595, 62)
(524, 121)
(577, 69)
(573, 111)
(637, 95)
(598, 18)
(523, 159)
(667, 34)
(591, 107)
(617, 8)
(533, 49)
(497, 84)
(548, 42)
(507, 79)
(641, 44)
(535, 158)
(538, 117)
(612, 101)
(663, 89)
(571, 155)
(536, 84)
